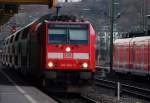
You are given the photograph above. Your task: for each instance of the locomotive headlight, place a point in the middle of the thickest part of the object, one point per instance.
(50, 64)
(85, 65)
(68, 49)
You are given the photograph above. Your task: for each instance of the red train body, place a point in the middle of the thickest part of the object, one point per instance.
(132, 55)
(74, 51)
(53, 50)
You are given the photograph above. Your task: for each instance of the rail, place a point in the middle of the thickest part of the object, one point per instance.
(125, 88)
(78, 99)
(105, 68)
(89, 99)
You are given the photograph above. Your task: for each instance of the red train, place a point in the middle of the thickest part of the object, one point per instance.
(132, 55)
(53, 51)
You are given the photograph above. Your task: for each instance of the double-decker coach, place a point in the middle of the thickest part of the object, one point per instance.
(131, 55)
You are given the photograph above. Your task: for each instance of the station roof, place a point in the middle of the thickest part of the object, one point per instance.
(25, 1)
(9, 7)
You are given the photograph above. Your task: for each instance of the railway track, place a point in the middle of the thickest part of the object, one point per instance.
(75, 99)
(124, 88)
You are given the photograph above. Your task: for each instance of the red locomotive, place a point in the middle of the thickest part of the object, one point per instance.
(132, 55)
(58, 51)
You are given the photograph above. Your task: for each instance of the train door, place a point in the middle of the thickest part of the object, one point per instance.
(127, 56)
(149, 57)
(146, 56)
(34, 45)
(139, 58)
(133, 57)
(0, 55)
(121, 57)
(16, 50)
(142, 59)
(24, 41)
(19, 54)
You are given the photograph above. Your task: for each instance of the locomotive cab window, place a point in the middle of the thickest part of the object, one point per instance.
(67, 33)
(78, 36)
(57, 36)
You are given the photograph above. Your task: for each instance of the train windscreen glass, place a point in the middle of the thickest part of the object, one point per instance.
(78, 36)
(67, 34)
(57, 36)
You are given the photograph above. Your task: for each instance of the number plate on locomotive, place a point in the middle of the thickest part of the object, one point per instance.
(67, 55)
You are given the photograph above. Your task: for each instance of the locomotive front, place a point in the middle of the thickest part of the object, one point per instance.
(70, 51)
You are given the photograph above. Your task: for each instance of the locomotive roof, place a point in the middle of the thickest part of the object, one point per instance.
(48, 18)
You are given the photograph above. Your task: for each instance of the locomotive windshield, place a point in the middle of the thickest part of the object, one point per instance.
(67, 34)
(57, 35)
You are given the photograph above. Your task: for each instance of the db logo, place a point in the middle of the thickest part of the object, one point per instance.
(67, 55)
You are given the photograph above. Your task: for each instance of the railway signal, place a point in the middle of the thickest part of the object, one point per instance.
(13, 29)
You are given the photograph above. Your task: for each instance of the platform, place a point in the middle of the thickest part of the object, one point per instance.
(14, 90)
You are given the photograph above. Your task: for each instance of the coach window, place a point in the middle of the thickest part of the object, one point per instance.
(7, 41)
(4, 43)
(25, 33)
(17, 36)
(11, 39)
